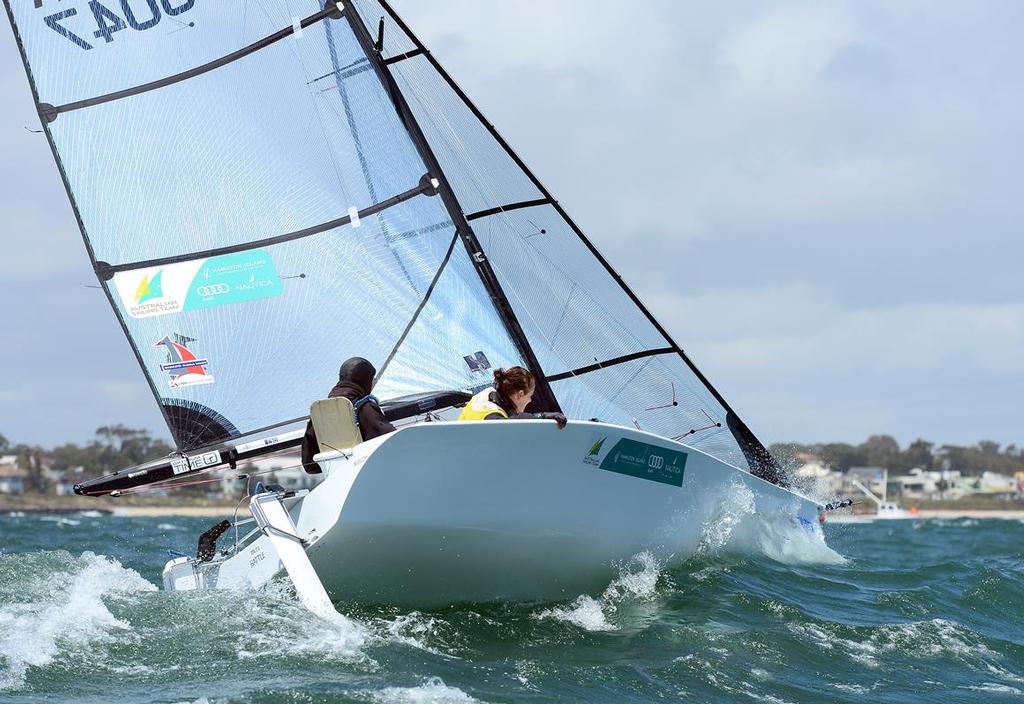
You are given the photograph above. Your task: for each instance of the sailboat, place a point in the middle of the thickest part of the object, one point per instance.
(263, 194)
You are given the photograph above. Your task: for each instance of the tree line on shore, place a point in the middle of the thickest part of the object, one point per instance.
(114, 447)
(885, 451)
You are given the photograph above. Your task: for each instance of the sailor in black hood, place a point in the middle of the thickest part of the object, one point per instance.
(355, 382)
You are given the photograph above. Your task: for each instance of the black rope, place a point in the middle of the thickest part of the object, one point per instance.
(420, 307)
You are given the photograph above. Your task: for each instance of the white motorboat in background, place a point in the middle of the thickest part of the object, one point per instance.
(885, 509)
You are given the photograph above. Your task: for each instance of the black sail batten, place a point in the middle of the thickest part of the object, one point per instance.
(50, 112)
(761, 462)
(425, 187)
(78, 215)
(612, 362)
(508, 208)
(402, 57)
(544, 397)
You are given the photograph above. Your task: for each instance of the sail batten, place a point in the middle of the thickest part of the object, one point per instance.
(50, 112)
(425, 187)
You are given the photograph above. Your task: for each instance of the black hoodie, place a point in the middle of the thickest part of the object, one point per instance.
(355, 381)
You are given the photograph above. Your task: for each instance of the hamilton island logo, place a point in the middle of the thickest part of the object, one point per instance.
(595, 451)
(150, 288)
(183, 366)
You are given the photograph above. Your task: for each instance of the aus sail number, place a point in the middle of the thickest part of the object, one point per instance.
(138, 15)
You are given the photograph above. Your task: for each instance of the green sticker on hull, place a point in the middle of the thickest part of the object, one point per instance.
(643, 461)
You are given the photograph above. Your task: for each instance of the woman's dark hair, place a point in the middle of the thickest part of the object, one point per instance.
(508, 381)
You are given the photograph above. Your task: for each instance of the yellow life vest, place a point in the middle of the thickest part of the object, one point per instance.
(481, 406)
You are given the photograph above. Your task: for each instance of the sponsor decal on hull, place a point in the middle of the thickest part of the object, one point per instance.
(637, 459)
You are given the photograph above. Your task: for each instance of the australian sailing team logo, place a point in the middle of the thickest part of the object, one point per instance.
(183, 366)
(150, 288)
(593, 456)
(149, 299)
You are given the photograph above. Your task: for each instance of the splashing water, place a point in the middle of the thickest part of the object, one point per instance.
(62, 606)
(636, 583)
(736, 527)
(432, 691)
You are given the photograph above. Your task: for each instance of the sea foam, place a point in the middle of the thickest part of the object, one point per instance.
(62, 612)
(736, 526)
(432, 691)
(636, 583)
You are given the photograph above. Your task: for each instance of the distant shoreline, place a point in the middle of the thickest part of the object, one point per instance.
(122, 506)
(126, 511)
(147, 511)
(968, 513)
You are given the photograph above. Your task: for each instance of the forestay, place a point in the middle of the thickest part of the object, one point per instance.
(267, 188)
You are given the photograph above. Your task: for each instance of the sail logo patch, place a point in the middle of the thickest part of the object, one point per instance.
(183, 366)
(477, 362)
(194, 285)
(150, 288)
(638, 459)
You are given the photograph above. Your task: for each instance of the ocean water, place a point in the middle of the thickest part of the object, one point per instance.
(925, 611)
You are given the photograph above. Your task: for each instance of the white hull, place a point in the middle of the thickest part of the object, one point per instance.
(444, 512)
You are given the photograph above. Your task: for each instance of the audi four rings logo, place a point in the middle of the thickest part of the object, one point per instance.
(213, 289)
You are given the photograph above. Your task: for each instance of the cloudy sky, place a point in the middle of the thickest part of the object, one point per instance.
(821, 201)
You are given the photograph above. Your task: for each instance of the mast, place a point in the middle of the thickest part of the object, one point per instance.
(544, 397)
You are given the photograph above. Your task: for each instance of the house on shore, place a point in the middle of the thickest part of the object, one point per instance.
(12, 477)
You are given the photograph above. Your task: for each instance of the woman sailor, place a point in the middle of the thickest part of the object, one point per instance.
(508, 398)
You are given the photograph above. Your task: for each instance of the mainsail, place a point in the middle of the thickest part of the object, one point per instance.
(267, 188)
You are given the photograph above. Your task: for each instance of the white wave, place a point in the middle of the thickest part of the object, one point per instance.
(432, 691)
(60, 520)
(167, 526)
(864, 653)
(855, 688)
(286, 627)
(586, 612)
(918, 639)
(737, 526)
(637, 582)
(413, 629)
(64, 613)
(1003, 673)
(995, 689)
(927, 639)
(91, 514)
